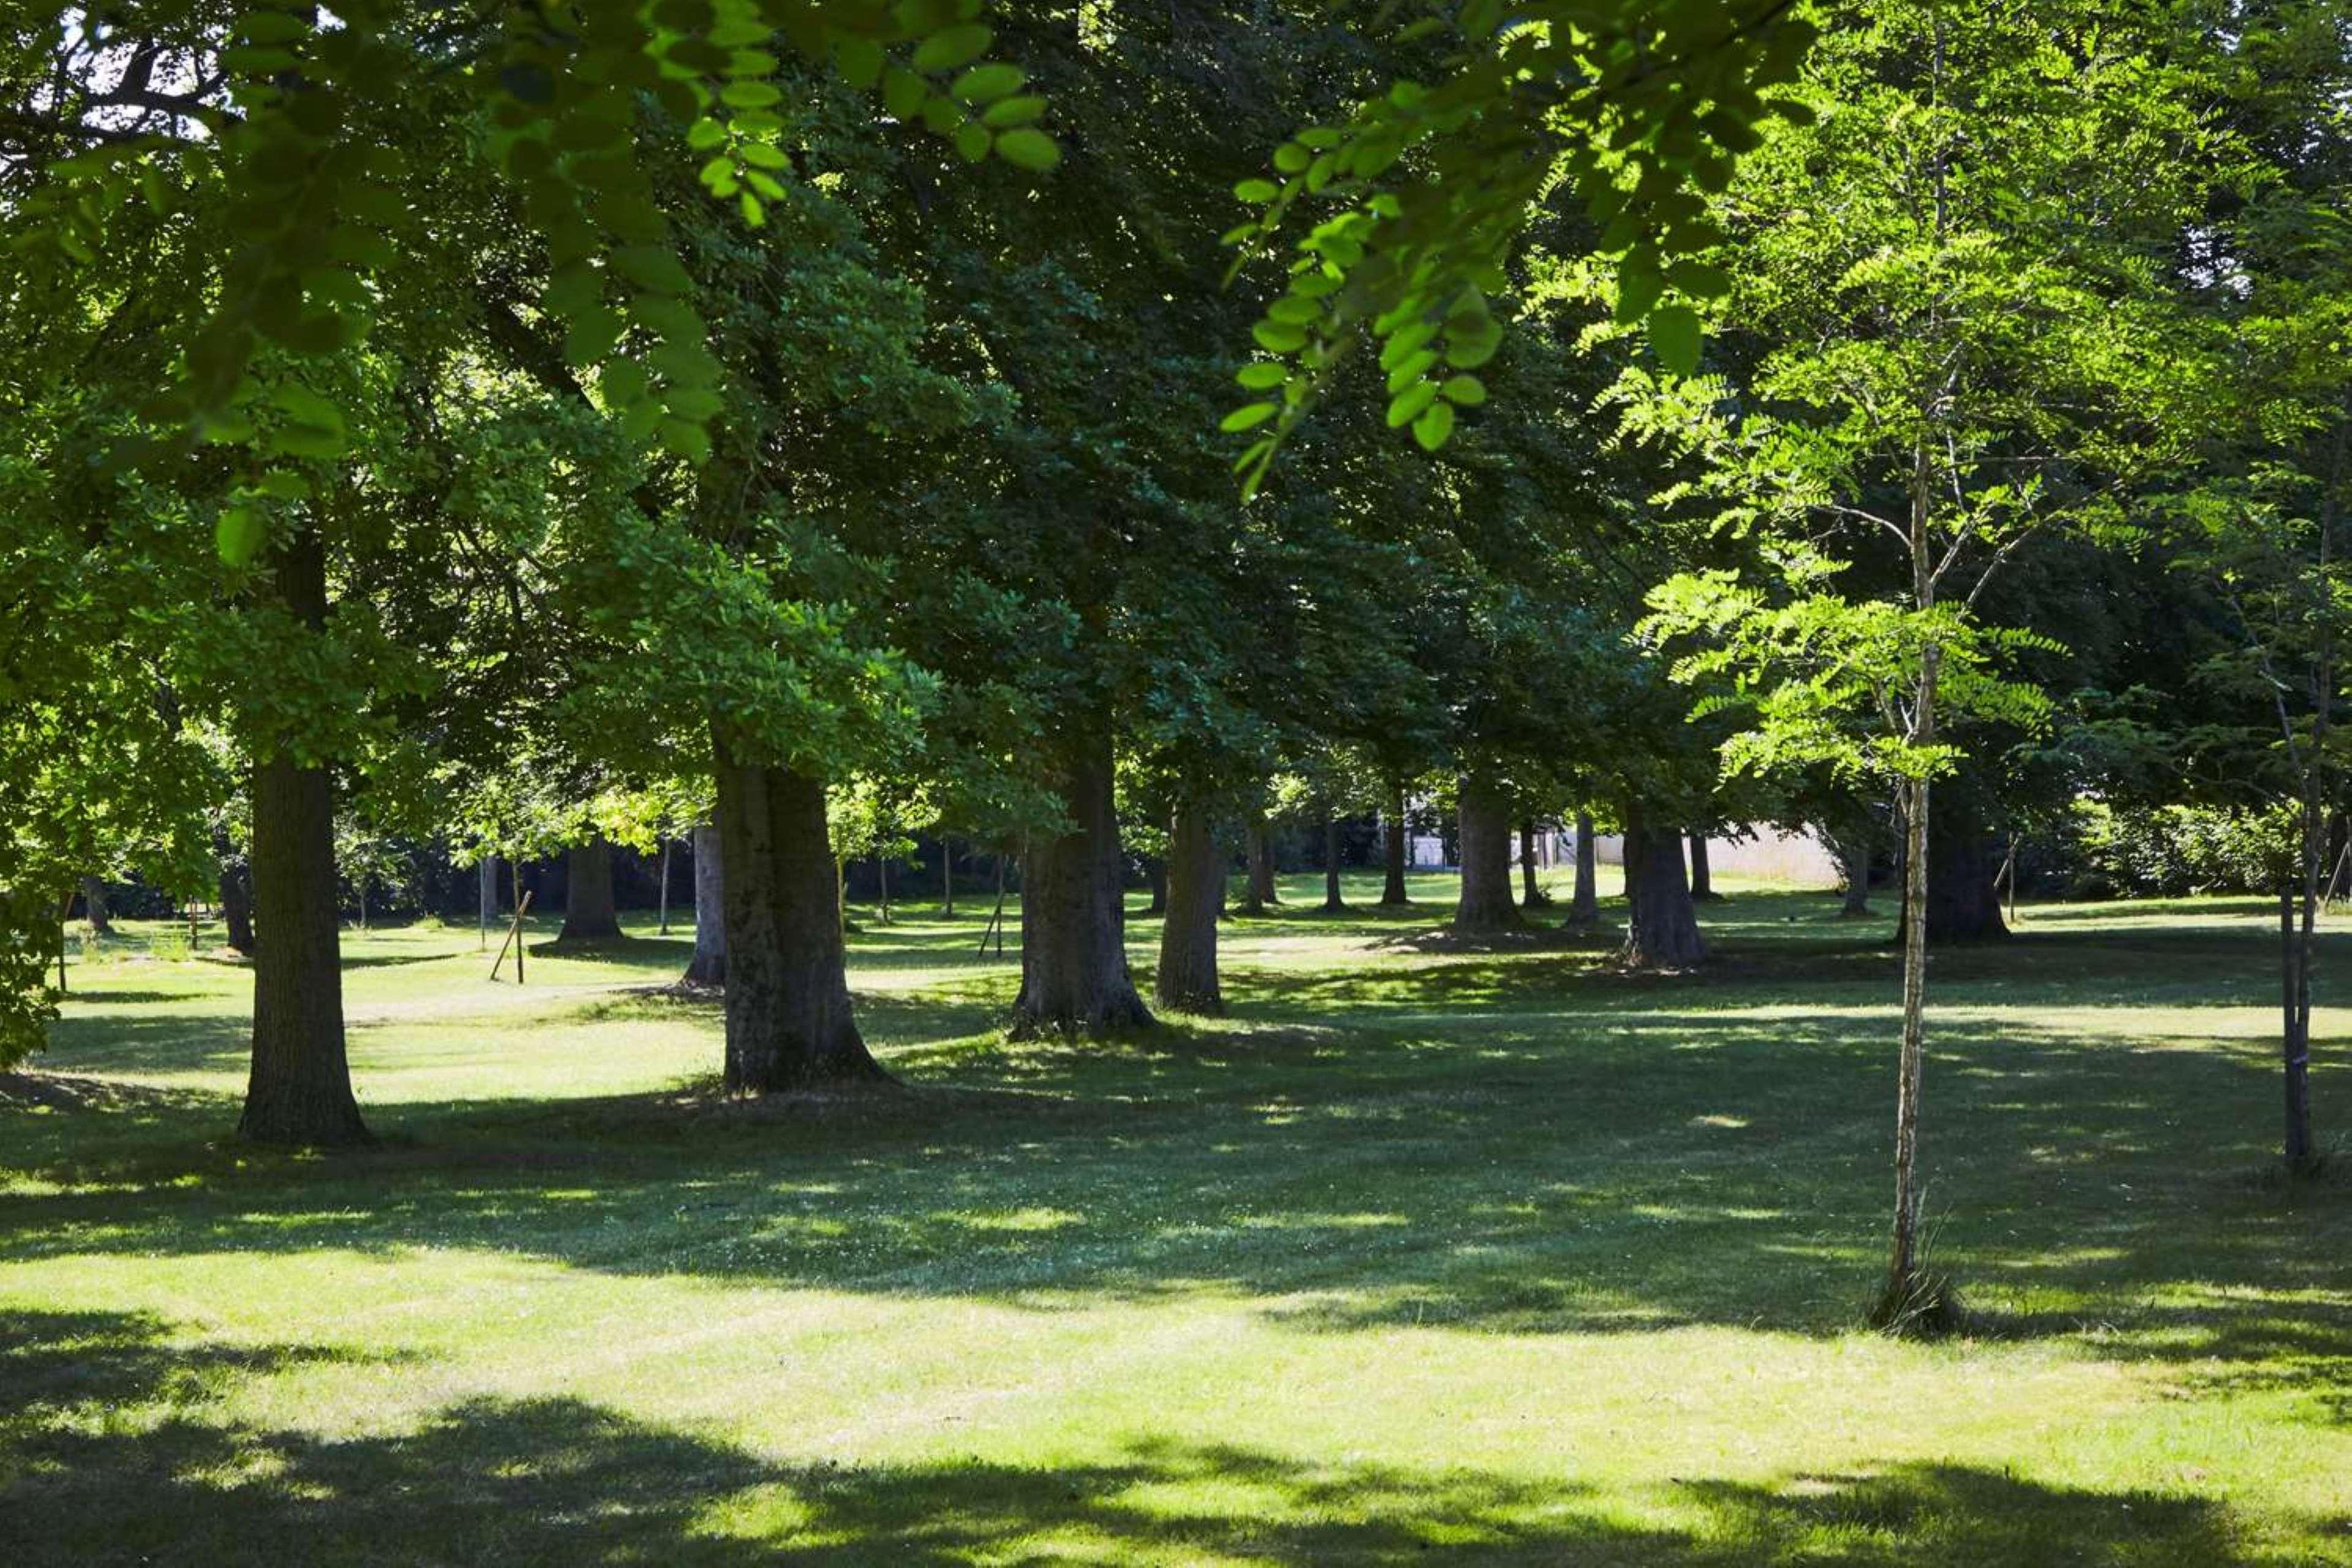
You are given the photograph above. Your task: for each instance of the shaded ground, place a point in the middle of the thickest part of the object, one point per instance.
(1421, 1253)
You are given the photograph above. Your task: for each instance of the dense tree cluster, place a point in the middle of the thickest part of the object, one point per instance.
(809, 429)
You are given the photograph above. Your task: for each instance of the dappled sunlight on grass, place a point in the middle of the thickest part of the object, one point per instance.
(1496, 1254)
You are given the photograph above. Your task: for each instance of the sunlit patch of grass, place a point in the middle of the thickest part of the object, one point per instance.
(1420, 1256)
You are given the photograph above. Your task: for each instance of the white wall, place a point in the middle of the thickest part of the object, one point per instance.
(1800, 858)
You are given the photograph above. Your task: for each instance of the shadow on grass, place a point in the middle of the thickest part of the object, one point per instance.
(166, 1478)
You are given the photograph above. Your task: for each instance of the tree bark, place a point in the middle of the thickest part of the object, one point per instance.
(1485, 905)
(789, 1022)
(1854, 865)
(236, 905)
(588, 914)
(1073, 973)
(1964, 891)
(489, 877)
(1702, 875)
(1584, 909)
(1393, 894)
(1531, 893)
(663, 926)
(1902, 1298)
(93, 906)
(1333, 903)
(1155, 878)
(300, 1089)
(1261, 894)
(708, 965)
(1187, 979)
(947, 878)
(1661, 927)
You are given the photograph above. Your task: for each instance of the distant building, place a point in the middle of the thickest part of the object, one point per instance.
(1753, 851)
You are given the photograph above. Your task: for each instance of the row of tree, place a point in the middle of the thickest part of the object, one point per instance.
(509, 472)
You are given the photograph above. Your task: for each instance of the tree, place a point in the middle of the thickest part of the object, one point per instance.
(1976, 374)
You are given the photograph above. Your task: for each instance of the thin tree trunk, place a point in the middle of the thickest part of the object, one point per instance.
(1155, 878)
(1187, 978)
(1903, 1294)
(1073, 973)
(789, 1021)
(1531, 893)
(1393, 894)
(1662, 926)
(1584, 907)
(1333, 903)
(708, 965)
(1702, 875)
(487, 875)
(947, 878)
(300, 1089)
(882, 884)
(663, 927)
(1485, 905)
(588, 914)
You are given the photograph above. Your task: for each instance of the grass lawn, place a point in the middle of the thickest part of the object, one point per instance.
(1423, 1255)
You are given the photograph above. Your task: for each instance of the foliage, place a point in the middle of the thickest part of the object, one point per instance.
(298, 125)
(1637, 108)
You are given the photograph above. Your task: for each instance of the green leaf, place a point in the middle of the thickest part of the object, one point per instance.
(1675, 338)
(1263, 375)
(238, 535)
(859, 61)
(1433, 426)
(1011, 111)
(1408, 404)
(1274, 337)
(1247, 418)
(1256, 192)
(1639, 284)
(987, 83)
(1028, 148)
(1466, 390)
(960, 46)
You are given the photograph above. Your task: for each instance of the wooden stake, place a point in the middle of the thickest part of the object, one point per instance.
(514, 938)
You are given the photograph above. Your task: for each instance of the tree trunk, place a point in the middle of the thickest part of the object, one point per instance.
(1074, 974)
(1155, 878)
(1187, 980)
(1333, 903)
(1853, 864)
(236, 906)
(1905, 1296)
(1584, 909)
(93, 906)
(663, 927)
(1702, 875)
(2295, 991)
(1531, 893)
(1393, 892)
(1261, 894)
(300, 1089)
(947, 878)
(788, 1023)
(588, 893)
(487, 874)
(1662, 926)
(882, 884)
(708, 965)
(1485, 904)
(1964, 892)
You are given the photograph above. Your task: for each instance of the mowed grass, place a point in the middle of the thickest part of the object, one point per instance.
(1422, 1256)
